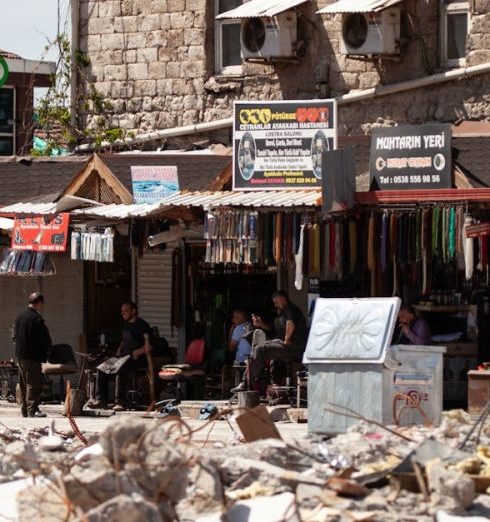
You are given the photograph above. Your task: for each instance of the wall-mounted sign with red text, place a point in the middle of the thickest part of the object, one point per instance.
(41, 234)
(280, 144)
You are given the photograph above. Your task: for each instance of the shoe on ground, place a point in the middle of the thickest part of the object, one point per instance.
(118, 407)
(24, 413)
(240, 388)
(38, 414)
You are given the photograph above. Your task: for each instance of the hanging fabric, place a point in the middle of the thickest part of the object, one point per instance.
(384, 241)
(468, 249)
(371, 256)
(315, 262)
(298, 258)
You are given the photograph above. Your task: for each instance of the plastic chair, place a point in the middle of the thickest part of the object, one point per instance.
(182, 374)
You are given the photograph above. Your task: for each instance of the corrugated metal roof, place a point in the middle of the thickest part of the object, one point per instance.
(259, 8)
(29, 208)
(256, 199)
(358, 6)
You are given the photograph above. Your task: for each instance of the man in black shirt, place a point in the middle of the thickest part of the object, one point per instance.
(135, 342)
(32, 345)
(289, 331)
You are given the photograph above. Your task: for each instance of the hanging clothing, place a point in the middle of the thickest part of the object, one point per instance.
(315, 262)
(371, 256)
(468, 248)
(352, 245)
(298, 258)
(384, 241)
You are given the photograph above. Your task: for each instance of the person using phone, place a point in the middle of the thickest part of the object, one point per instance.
(413, 329)
(288, 344)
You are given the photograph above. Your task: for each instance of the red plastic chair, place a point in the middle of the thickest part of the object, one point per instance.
(195, 352)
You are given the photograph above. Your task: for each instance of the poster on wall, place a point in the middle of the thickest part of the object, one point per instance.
(151, 184)
(41, 234)
(411, 157)
(280, 144)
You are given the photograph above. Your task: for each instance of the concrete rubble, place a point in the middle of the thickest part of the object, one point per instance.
(140, 470)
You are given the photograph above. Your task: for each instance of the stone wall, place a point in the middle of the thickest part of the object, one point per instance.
(154, 60)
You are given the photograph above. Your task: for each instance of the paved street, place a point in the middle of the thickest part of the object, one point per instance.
(219, 431)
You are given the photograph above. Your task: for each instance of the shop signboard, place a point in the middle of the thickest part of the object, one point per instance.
(280, 144)
(4, 71)
(41, 234)
(411, 157)
(151, 184)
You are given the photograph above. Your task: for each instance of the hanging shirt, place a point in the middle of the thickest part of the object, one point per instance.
(243, 349)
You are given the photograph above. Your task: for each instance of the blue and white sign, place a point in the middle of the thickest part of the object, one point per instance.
(151, 184)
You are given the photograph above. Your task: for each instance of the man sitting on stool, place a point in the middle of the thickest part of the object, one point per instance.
(135, 342)
(289, 330)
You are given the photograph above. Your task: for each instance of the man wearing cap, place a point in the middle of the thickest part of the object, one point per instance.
(32, 345)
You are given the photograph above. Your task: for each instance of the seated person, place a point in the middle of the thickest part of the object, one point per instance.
(289, 331)
(135, 342)
(413, 329)
(237, 344)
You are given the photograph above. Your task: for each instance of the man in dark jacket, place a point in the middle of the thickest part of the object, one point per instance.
(32, 345)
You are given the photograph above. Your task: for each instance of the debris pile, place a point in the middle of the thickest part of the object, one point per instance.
(148, 471)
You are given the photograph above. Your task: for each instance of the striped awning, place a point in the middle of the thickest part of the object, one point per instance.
(260, 8)
(358, 6)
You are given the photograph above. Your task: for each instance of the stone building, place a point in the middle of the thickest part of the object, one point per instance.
(171, 63)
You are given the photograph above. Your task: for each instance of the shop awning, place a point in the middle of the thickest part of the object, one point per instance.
(475, 195)
(206, 200)
(358, 6)
(260, 8)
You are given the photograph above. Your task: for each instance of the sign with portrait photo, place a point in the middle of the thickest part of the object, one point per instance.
(411, 157)
(280, 144)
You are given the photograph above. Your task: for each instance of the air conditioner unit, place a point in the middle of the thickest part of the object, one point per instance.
(371, 33)
(269, 38)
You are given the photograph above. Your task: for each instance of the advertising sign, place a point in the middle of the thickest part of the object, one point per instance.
(41, 234)
(4, 71)
(411, 157)
(280, 145)
(150, 184)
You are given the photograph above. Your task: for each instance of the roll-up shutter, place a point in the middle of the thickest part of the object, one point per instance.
(63, 309)
(154, 292)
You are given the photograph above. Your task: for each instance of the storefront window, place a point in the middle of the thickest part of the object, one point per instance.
(7, 121)
(455, 23)
(227, 39)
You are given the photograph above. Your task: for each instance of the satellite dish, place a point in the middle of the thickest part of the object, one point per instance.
(355, 30)
(253, 34)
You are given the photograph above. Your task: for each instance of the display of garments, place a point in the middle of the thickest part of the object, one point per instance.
(93, 246)
(25, 263)
(384, 242)
(352, 246)
(371, 260)
(315, 262)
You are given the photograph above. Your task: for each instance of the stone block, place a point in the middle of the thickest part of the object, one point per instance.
(194, 37)
(164, 87)
(157, 70)
(122, 90)
(109, 9)
(368, 80)
(165, 21)
(115, 72)
(138, 71)
(176, 6)
(155, 39)
(190, 117)
(113, 57)
(135, 40)
(181, 20)
(149, 22)
(147, 55)
(97, 73)
(196, 52)
(193, 69)
(92, 43)
(112, 41)
(130, 56)
(99, 26)
(127, 7)
(195, 5)
(173, 70)
(478, 57)
(159, 6)
(126, 24)
(145, 87)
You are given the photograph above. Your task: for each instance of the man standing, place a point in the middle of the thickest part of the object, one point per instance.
(289, 330)
(32, 345)
(135, 342)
